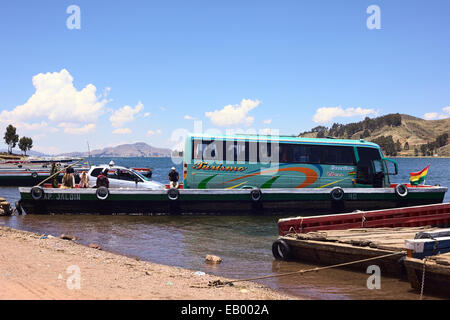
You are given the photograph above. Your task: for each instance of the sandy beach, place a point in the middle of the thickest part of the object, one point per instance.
(33, 267)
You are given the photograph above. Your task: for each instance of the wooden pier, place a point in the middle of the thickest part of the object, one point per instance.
(332, 247)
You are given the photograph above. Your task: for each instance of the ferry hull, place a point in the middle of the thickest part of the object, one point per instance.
(27, 180)
(223, 202)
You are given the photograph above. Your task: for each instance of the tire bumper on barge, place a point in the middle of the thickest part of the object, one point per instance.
(220, 201)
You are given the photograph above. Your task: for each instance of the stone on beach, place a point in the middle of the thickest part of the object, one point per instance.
(95, 246)
(68, 237)
(213, 259)
(5, 208)
(5, 205)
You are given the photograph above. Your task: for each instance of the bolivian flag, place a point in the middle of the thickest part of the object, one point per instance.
(417, 178)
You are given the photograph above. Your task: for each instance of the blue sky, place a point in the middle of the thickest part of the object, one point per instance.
(250, 65)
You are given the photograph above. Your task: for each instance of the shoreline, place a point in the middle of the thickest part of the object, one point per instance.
(47, 269)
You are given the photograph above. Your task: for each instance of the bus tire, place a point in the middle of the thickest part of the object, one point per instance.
(19, 208)
(37, 193)
(256, 195)
(401, 190)
(34, 175)
(173, 194)
(102, 193)
(281, 250)
(337, 194)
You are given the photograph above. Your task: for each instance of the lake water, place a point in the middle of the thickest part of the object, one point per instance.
(243, 242)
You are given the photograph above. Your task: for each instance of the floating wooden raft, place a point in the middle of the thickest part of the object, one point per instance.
(333, 247)
(435, 214)
(339, 246)
(437, 274)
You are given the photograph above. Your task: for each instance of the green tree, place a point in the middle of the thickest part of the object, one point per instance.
(25, 144)
(423, 149)
(11, 138)
(387, 144)
(366, 134)
(398, 146)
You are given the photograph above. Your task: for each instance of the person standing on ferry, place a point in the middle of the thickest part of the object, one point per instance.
(68, 181)
(102, 179)
(84, 180)
(173, 178)
(53, 172)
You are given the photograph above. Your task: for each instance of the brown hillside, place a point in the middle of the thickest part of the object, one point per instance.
(413, 130)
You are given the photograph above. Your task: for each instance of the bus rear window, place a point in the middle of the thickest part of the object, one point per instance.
(368, 154)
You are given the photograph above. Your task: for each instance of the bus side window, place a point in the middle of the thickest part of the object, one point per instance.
(368, 154)
(241, 151)
(364, 173)
(230, 151)
(366, 166)
(265, 152)
(197, 150)
(251, 154)
(286, 153)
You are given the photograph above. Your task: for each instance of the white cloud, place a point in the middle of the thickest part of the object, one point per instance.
(188, 117)
(156, 132)
(70, 128)
(436, 115)
(122, 131)
(268, 121)
(125, 115)
(326, 115)
(233, 115)
(430, 115)
(147, 114)
(56, 99)
(43, 126)
(446, 110)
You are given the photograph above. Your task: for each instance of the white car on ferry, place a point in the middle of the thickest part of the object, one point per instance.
(122, 177)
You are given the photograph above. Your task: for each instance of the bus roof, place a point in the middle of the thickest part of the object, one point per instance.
(281, 138)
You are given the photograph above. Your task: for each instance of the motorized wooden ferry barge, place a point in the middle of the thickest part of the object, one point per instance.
(245, 174)
(219, 201)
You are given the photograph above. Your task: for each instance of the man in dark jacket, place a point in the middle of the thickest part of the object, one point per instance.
(102, 179)
(173, 178)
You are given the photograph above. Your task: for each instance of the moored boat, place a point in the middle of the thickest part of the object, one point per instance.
(244, 174)
(219, 201)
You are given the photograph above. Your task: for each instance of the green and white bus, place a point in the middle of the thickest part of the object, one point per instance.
(252, 161)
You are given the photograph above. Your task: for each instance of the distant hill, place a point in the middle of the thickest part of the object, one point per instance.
(139, 149)
(397, 134)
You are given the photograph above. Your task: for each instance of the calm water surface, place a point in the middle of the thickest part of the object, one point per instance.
(243, 242)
